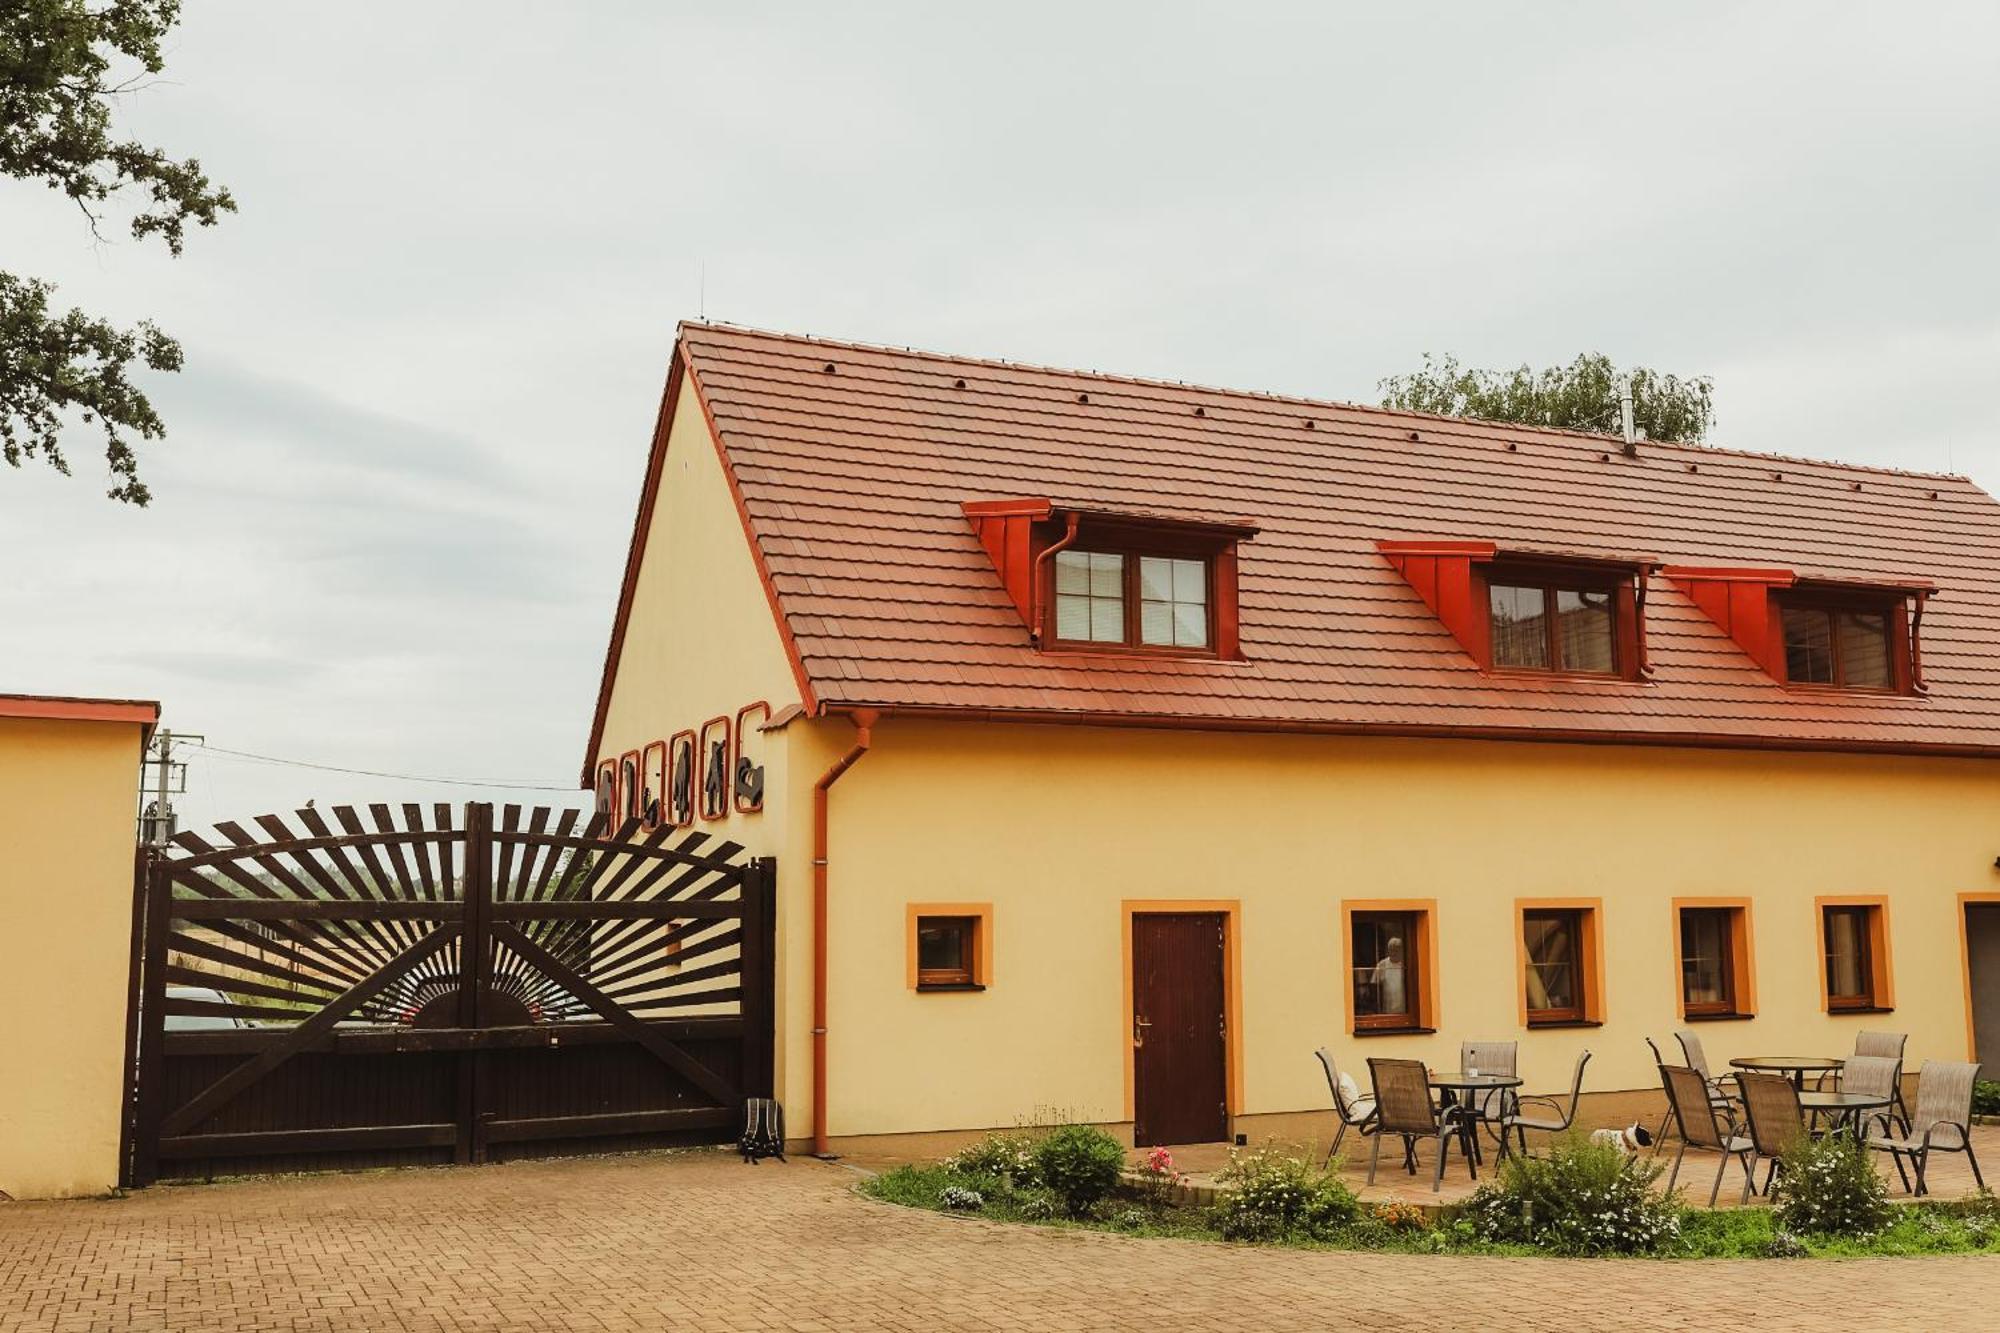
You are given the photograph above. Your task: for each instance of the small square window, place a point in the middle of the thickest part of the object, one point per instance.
(1090, 596)
(947, 950)
(1173, 602)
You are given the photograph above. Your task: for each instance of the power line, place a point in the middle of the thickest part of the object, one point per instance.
(373, 773)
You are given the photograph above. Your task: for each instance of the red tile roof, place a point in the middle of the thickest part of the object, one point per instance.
(852, 463)
(64, 708)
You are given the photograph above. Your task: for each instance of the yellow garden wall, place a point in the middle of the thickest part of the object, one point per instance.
(67, 792)
(1056, 826)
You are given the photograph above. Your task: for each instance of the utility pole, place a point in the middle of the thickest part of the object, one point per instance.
(157, 824)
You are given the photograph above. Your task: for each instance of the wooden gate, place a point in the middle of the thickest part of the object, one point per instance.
(391, 991)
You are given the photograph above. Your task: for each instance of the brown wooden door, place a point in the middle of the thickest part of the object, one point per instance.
(1180, 1042)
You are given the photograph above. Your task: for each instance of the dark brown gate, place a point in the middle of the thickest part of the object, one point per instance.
(395, 990)
(1180, 1058)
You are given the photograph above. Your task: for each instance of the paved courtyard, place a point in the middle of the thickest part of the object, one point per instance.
(699, 1241)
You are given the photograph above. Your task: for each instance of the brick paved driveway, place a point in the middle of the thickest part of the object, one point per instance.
(701, 1242)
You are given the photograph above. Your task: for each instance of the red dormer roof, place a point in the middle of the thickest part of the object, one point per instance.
(856, 465)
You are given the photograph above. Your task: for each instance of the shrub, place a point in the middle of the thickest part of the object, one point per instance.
(1159, 1178)
(1271, 1195)
(1040, 1206)
(1829, 1187)
(1785, 1245)
(1581, 1199)
(1008, 1157)
(959, 1199)
(1130, 1219)
(1986, 1097)
(1080, 1164)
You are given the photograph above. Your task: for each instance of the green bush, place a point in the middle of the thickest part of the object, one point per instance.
(1270, 1195)
(1829, 1187)
(1009, 1157)
(1080, 1164)
(1581, 1199)
(1986, 1097)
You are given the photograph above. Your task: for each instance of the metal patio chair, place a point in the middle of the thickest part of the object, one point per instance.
(1776, 1121)
(1890, 1044)
(1403, 1108)
(1943, 1122)
(1877, 1076)
(1695, 1115)
(1558, 1119)
(1491, 1057)
(1356, 1113)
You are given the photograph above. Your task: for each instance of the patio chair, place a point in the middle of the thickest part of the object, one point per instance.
(1697, 1060)
(1890, 1044)
(1490, 1057)
(1775, 1119)
(1693, 1058)
(1403, 1107)
(1942, 1122)
(1353, 1112)
(1558, 1119)
(1878, 1076)
(1695, 1115)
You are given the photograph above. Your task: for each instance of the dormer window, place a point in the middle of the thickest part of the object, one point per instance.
(1094, 580)
(1553, 626)
(1818, 631)
(1525, 610)
(1152, 601)
(1845, 646)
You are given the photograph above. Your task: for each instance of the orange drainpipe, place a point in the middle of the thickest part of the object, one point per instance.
(1039, 601)
(863, 719)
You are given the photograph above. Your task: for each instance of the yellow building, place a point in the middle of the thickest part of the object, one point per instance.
(69, 773)
(1120, 743)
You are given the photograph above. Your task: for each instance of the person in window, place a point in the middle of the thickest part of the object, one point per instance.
(1388, 979)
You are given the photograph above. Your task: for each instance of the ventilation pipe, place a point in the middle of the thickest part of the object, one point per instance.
(1625, 416)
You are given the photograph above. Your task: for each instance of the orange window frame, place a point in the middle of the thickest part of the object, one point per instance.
(979, 950)
(1420, 957)
(1742, 961)
(1589, 1011)
(1876, 956)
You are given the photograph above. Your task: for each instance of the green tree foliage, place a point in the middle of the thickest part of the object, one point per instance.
(1582, 395)
(61, 64)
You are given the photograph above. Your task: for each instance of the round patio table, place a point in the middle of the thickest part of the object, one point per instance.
(1844, 1108)
(1467, 1086)
(1798, 1066)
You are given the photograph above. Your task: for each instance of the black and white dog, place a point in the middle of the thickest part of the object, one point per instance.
(1627, 1140)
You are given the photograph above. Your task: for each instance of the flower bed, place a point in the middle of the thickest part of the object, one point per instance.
(1577, 1200)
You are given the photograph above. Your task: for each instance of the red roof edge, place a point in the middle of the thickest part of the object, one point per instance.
(635, 555)
(66, 708)
(678, 371)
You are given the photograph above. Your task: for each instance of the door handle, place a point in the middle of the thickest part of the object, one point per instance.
(1139, 1026)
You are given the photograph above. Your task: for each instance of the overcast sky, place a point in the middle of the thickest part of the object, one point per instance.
(423, 361)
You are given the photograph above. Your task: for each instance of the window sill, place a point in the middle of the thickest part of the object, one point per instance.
(1537, 1024)
(1843, 1010)
(1714, 1018)
(925, 987)
(1394, 1032)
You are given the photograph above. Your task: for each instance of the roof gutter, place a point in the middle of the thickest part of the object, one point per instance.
(864, 720)
(1415, 731)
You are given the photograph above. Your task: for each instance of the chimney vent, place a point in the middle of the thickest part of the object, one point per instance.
(1625, 417)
